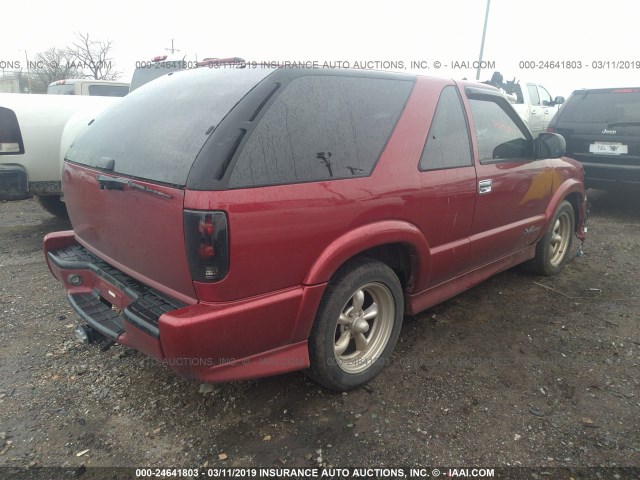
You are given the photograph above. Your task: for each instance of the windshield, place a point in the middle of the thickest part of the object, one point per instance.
(603, 107)
(156, 132)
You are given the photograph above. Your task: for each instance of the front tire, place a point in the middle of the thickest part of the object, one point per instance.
(357, 325)
(553, 250)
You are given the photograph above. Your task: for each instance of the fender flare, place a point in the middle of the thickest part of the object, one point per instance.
(567, 187)
(369, 236)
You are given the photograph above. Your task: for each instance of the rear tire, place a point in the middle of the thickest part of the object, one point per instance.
(554, 248)
(54, 205)
(357, 325)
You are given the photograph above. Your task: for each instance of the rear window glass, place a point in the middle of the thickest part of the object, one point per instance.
(156, 132)
(603, 107)
(321, 128)
(65, 89)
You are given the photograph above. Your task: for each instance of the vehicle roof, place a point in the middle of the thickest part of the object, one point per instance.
(583, 91)
(72, 81)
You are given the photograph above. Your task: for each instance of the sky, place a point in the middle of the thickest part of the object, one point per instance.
(521, 36)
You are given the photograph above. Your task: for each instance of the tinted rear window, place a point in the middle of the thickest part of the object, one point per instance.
(602, 107)
(156, 132)
(322, 128)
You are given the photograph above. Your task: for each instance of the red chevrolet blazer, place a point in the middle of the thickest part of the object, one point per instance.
(243, 222)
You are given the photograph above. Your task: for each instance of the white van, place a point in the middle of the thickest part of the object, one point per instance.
(100, 88)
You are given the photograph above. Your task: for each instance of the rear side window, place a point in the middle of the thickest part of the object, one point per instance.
(499, 137)
(322, 128)
(447, 144)
(603, 107)
(156, 132)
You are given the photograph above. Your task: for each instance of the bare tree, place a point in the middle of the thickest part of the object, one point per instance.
(30, 82)
(55, 64)
(95, 56)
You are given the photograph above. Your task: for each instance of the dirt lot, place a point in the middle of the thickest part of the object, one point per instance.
(520, 370)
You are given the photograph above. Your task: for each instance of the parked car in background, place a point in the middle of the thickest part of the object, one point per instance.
(35, 132)
(154, 68)
(260, 221)
(602, 130)
(534, 104)
(101, 88)
(159, 66)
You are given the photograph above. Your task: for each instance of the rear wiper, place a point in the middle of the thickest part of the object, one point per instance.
(623, 124)
(118, 183)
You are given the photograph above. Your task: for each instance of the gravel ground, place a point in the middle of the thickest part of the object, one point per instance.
(519, 371)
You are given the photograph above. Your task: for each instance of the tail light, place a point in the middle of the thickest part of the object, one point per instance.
(10, 135)
(207, 241)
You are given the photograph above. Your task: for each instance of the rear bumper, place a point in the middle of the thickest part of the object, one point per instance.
(252, 338)
(606, 172)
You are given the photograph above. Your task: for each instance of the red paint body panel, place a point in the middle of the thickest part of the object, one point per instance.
(135, 338)
(139, 233)
(428, 298)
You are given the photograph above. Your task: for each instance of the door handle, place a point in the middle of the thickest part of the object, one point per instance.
(484, 186)
(111, 183)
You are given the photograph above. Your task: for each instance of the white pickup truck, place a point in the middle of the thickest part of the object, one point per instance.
(99, 88)
(533, 103)
(35, 133)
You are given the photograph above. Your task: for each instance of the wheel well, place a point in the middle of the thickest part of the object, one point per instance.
(574, 199)
(396, 256)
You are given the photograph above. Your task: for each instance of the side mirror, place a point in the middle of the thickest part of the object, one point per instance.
(549, 145)
(559, 100)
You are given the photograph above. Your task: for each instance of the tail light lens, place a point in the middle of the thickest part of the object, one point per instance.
(207, 240)
(10, 135)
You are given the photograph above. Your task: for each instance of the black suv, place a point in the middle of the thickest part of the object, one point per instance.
(602, 130)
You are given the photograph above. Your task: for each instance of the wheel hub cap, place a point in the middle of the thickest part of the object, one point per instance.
(359, 325)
